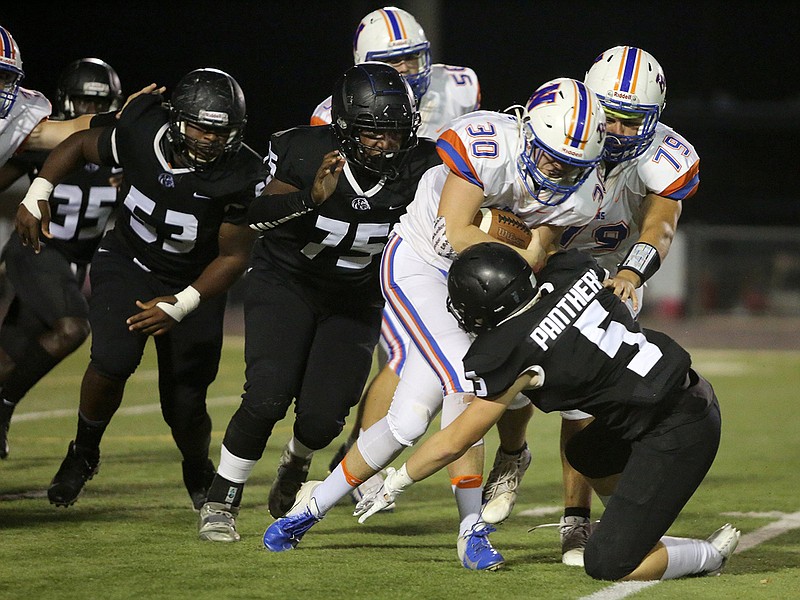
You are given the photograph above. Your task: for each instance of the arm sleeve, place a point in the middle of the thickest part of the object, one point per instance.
(267, 212)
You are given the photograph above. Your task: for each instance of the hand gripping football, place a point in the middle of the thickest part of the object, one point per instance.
(504, 226)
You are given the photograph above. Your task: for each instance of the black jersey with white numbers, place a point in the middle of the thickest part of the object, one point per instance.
(337, 246)
(589, 351)
(170, 217)
(80, 206)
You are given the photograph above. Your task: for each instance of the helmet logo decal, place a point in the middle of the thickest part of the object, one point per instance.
(166, 180)
(544, 95)
(629, 70)
(581, 119)
(360, 203)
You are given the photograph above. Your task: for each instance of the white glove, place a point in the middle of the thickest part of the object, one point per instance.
(395, 483)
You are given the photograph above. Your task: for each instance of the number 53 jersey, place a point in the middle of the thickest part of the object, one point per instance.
(169, 221)
(337, 246)
(588, 351)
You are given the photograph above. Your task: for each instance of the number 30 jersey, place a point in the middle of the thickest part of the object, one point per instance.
(337, 246)
(169, 220)
(482, 148)
(589, 352)
(670, 167)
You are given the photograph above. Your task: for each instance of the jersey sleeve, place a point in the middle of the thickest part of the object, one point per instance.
(671, 166)
(322, 114)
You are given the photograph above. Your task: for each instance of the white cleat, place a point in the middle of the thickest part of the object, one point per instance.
(500, 491)
(725, 539)
(218, 523)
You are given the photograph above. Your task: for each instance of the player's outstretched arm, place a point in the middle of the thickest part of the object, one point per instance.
(158, 315)
(33, 214)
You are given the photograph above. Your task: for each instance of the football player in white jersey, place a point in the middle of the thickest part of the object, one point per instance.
(530, 163)
(648, 170)
(23, 114)
(444, 92)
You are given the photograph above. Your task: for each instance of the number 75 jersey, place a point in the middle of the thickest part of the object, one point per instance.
(670, 167)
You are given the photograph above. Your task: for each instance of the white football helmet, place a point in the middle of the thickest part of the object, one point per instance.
(564, 129)
(630, 83)
(389, 33)
(10, 70)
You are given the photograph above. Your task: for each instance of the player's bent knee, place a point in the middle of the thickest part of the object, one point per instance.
(603, 565)
(67, 335)
(408, 426)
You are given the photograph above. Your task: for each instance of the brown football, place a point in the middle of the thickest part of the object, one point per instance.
(504, 226)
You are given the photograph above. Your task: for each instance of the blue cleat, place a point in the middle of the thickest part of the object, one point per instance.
(286, 532)
(475, 550)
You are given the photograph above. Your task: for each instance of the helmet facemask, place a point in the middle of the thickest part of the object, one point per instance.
(563, 130)
(10, 72)
(88, 86)
(630, 85)
(206, 101)
(372, 100)
(390, 34)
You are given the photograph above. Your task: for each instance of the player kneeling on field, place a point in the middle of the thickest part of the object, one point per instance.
(657, 423)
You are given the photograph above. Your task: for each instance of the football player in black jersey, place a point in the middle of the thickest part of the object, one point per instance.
(570, 343)
(49, 317)
(313, 301)
(180, 240)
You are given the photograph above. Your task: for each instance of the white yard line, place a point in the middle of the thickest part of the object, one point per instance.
(130, 410)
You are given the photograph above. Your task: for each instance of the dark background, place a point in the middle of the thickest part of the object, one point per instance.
(733, 82)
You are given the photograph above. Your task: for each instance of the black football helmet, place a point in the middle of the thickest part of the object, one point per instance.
(374, 97)
(87, 86)
(210, 100)
(487, 283)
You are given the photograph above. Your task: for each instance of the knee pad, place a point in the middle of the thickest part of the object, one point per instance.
(602, 565)
(412, 411)
(316, 433)
(519, 401)
(452, 406)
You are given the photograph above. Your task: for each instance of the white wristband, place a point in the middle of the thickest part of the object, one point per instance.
(185, 302)
(40, 190)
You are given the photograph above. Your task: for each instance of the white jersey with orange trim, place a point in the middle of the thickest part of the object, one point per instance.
(483, 148)
(670, 167)
(453, 91)
(30, 108)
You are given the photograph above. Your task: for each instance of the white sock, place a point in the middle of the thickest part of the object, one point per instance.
(331, 490)
(233, 468)
(298, 449)
(469, 502)
(687, 556)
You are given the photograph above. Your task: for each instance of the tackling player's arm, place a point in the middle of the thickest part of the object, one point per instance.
(161, 314)
(445, 446)
(280, 201)
(33, 214)
(657, 230)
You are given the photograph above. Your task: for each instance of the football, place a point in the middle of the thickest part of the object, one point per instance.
(504, 226)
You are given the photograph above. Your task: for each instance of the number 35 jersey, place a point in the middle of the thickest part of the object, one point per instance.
(169, 221)
(337, 246)
(589, 352)
(670, 167)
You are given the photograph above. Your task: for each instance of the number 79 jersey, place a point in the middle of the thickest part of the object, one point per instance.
(670, 167)
(589, 352)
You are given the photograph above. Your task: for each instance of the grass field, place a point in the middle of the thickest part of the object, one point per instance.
(132, 534)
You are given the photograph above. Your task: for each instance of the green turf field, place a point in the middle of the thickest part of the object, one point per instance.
(132, 534)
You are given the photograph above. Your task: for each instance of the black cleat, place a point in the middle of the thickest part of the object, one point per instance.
(197, 481)
(292, 474)
(78, 467)
(6, 410)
